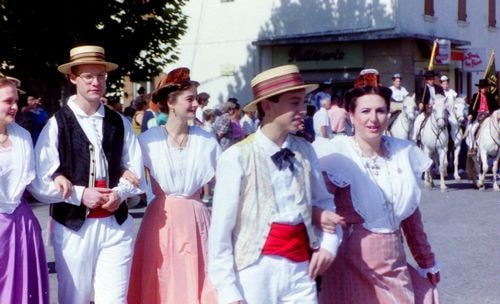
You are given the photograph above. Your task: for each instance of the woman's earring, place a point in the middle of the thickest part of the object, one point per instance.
(173, 112)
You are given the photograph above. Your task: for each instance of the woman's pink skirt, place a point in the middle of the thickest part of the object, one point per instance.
(372, 268)
(170, 256)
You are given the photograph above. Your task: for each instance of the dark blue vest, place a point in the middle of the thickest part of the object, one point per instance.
(74, 157)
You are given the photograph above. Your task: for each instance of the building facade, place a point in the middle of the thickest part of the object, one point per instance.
(230, 41)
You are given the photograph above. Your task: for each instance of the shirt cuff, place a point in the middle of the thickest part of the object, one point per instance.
(125, 189)
(434, 269)
(76, 196)
(229, 294)
(329, 241)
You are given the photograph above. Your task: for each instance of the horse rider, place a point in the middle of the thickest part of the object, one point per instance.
(482, 104)
(431, 89)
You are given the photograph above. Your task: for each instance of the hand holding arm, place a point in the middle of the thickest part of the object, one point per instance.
(326, 220)
(64, 185)
(95, 197)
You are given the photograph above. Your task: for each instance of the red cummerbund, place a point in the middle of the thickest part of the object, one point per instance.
(289, 241)
(99, 212)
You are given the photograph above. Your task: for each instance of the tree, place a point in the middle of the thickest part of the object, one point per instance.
(139, 35)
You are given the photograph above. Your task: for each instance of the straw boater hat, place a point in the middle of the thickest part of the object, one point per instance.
(86, 54)
(277, 81)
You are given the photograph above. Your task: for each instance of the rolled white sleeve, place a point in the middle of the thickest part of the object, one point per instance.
(323, 199)
(221, 266)
(47, 162)
(131, 160)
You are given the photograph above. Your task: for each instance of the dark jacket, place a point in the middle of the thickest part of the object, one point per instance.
(427, 95)
(474, 105)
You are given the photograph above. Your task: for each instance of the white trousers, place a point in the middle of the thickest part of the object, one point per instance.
(95, 259)
(274, 279)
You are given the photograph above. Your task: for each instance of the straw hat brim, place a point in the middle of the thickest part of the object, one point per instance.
(252, 106)
(66, 68)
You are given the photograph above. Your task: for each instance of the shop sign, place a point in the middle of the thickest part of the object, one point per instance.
(474, 60)
(319, 56)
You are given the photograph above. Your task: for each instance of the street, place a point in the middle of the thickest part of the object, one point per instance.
(463, 228)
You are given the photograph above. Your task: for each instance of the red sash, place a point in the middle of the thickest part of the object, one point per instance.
(288, 241)
(99, 212)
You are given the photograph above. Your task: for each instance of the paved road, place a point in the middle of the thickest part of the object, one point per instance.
(463, 225)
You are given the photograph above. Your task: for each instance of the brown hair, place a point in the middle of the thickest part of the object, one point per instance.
(352, 95)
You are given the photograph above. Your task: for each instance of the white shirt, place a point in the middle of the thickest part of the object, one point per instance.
(384, 192)
(398, 94)
(180, 173)
(229, 178)
(17, 168)
(47, 157)
(321, 119)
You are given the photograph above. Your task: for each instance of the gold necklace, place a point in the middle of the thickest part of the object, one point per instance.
(180, 144)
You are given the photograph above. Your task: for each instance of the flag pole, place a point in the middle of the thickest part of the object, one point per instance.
(430, 66)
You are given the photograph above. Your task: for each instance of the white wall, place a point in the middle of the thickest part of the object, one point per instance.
(220, 34)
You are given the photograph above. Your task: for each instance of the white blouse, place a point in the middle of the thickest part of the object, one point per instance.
(180, 172)
(384, 191)
(17, 168)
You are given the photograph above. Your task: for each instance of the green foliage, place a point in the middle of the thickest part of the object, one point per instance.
(36, 36)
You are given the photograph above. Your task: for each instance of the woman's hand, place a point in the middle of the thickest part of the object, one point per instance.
(326, 220)
(131, 177)
(63, 185)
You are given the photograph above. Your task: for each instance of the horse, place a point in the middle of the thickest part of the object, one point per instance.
(456, 116)
(434, 140)
(401, 126)
(487, 143)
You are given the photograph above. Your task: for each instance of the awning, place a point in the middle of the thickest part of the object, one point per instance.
(329, 37)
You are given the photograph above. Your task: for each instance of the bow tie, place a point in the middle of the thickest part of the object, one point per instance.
(283, 159)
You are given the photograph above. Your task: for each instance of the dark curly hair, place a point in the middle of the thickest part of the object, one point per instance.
(352, 95)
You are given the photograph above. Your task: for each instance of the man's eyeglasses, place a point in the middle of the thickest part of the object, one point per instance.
(89, 78)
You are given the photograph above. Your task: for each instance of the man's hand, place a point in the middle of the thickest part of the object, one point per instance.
(95, 197)
(326, 220)
(64, 185)
(321, 260)
(421, 107)
(113, 202)
(434, 278)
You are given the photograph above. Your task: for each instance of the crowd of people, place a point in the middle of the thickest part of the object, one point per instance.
(291, 221)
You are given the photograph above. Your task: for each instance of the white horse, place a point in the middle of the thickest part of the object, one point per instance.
(434, 140)
(402, 126)
(456, 112)
(488, 144)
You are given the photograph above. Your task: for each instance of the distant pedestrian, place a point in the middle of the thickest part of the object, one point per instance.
(36, 115)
